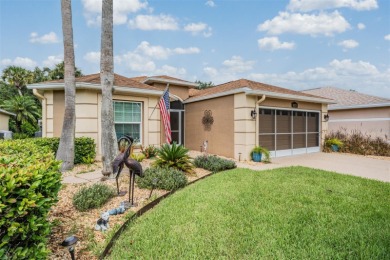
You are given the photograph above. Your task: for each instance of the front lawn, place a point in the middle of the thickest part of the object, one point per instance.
(288, 213)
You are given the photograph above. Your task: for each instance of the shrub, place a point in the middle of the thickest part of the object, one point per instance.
(149, 151)
(17, 136)
(358, 143)
(84, 147)
(213, 163)
(29, 185)
(162, 178)
(139, 157)
(93, 196)
(29, 129)
(175, 156)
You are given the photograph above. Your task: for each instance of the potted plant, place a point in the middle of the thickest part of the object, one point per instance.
(334, 143)
(257, 153)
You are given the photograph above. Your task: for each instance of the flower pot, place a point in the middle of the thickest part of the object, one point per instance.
(256, 157)
(335, 148)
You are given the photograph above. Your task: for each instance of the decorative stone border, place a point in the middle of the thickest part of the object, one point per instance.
(139, 213)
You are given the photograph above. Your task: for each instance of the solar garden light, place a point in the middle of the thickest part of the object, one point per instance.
(69, 243)
(154, 184)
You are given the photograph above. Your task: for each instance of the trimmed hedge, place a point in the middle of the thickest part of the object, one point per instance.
(29, 183)
(85, 147)
(213, 163)
(162, 178)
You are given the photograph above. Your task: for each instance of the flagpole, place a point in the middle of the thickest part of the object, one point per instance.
(159, 100)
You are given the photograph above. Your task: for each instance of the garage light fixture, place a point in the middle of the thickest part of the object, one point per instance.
(326, 117)
(253, 114)
(294, 104)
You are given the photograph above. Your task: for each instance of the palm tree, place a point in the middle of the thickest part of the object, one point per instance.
(17, 77)
(59, 71)
(109, 142)
(25, 109)
(65, 151)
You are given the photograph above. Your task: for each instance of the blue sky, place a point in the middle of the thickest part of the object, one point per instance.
(296, 44)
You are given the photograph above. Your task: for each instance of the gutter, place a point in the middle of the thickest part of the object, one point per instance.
(7, 113)
(359, 106)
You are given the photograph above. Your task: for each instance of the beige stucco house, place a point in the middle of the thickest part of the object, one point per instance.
(356, 111)
(233, 117)
(4, 119)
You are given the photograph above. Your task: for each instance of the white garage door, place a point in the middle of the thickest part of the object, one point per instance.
(289, 132)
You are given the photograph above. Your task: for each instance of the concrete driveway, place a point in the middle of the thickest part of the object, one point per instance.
(357, 165)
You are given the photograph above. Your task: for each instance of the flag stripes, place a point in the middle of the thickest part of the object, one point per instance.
(166, 118)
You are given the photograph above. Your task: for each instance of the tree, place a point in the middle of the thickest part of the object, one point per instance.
(65, 151)
(25, 109)
(17, 77)
(41, 75)
(109, 142)
(204, 85)
(58, 71)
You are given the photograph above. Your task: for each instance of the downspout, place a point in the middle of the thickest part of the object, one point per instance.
(257, 119)
(43, 101)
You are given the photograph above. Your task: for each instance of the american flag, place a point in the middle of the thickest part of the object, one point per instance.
(164, 110)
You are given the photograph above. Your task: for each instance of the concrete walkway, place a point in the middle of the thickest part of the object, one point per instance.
(377, 169)
(357, 165)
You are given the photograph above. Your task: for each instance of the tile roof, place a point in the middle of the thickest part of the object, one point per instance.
(241, 83)
(143, 78)
(346, 97)
(119, 81)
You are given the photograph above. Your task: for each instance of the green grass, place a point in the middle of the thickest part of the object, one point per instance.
(288, 213)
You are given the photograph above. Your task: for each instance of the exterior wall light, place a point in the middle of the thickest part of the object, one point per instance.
(294, 104)
(70, 243)
(253, 114)
(326, 117)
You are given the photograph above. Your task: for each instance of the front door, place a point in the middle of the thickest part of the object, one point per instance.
(177, 126)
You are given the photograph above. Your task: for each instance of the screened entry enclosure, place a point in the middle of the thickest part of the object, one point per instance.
(289, 132)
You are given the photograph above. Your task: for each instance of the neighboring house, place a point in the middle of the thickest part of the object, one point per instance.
(355, 111)
(4, 119)
(233, 117)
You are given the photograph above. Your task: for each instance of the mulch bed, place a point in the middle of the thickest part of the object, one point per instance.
(69, 221)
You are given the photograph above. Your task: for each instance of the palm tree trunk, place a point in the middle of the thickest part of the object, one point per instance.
(65, 151)
(109, 142)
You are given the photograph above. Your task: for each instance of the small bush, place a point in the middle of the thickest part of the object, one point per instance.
(139, 157)
(174, 156)
(84, 147)
(149, 151)
(213, 163)
(29, 185)
(162, 178)
(93, 196)
(18, 136)
(357, 143)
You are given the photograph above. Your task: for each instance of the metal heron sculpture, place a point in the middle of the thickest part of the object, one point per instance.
(122, 159)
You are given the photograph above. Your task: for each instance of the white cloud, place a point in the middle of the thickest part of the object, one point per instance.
(19, 61)
(310, 5)
(135, 62)
(153, 22)
(160, 52)
(121, 9)
(197, 28)
(387, 37)
(273, 43)
(361, 26)
(237, 64)
(171, 71)
(92, 56)
(210, 71)
(50, 37)
(361, 76)
(210, 3)
(349, 44)
(51, 61)
(190, 50)
(322, 24)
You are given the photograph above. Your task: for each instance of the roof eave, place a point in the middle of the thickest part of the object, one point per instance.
(91, 86)
(170, 81)
(7, 113)
(216, 95)
(359, 106)
(291, 97)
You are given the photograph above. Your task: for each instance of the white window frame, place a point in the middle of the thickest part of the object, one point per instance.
(131, 123)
